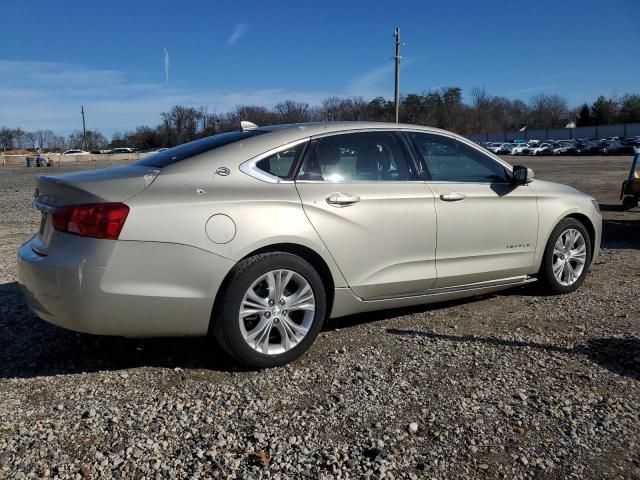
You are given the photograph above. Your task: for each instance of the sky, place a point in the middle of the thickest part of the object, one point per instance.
(127, 61)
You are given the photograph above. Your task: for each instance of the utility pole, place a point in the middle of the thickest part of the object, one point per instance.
(84, 129)
(397, 59)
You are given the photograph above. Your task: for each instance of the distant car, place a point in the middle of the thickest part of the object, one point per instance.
(583, 147)
(494, 147)
(258, 236)
(123, 150)
(520, 148)
(607, 147)
(75, 152)
(562, 148)
(506, 149)
(542, 149)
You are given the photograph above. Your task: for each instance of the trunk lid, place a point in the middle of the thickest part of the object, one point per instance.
(114, 184)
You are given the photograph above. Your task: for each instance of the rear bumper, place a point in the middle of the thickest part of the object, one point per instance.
(123, 288)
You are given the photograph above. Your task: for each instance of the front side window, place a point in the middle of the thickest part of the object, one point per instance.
(364, 156)
(450, 160)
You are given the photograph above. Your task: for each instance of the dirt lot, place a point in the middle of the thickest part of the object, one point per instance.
(513, 385)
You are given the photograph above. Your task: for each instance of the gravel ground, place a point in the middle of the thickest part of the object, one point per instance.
(513, 385)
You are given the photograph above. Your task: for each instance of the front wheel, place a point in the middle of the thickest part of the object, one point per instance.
(567, 257)
(271, 311)
(629, 202)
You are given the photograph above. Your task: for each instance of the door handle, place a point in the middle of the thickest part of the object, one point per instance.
(453, 196)
(342, 199)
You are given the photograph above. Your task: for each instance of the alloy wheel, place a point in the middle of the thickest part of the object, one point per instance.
(277, 312)
(569, 257)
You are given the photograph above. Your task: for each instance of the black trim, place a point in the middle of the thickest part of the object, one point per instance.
(422, 171)
(298, 161)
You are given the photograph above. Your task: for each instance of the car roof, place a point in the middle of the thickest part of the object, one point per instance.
(318, 128)
(276, 136)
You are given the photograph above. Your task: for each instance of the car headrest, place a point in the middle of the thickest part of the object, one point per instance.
(328, 153)
(371, 160)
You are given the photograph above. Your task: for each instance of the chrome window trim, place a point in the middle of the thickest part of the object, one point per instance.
(371, 182)
(249, 166)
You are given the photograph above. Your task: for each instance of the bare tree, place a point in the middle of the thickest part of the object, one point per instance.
(481, 106)
(548, 111)
(331, 109)
(290, 111)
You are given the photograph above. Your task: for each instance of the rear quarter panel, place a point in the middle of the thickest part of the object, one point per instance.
(178, 205)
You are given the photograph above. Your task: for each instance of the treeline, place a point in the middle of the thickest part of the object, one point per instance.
(442, 108)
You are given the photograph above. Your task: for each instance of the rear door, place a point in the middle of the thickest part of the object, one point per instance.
(487, 227)
(376, 217)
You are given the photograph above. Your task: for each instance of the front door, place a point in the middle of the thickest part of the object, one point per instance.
(487, 227)
(377, 219)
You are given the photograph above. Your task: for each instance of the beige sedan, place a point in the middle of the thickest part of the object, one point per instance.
(257, 236)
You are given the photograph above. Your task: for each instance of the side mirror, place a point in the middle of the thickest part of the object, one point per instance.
(521, 175)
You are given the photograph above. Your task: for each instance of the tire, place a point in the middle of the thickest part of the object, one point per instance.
(271, 321)
(549, 282)
(629, 202)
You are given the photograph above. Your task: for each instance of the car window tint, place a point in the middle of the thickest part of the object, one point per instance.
(280, 164)
(191, 149)
(450, 160)
(366, 156)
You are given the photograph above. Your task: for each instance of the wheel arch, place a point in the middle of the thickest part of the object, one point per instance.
(306, 253)
(588, 224)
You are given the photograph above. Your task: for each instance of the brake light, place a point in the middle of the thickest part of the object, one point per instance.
(94, 220)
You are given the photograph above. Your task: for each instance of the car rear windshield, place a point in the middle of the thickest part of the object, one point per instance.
(191, 149)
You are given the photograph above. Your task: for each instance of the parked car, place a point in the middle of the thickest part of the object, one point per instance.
(562, 148)
(494, 147)
(607, 147)
(541, 149)
(583, 147)
(123, 150)
(75, 152)
(258, 236)
(520, 148)
(506, 149)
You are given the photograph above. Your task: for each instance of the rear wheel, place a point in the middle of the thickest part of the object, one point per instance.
(567, 257)
(271, 310)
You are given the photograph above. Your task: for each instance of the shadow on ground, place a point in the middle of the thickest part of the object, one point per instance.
(618, 355)
(621, 233)
(30, 347)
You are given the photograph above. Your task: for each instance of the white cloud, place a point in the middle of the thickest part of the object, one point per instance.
(530, 90)
(166, 65)
(238, 32)
(48, 95)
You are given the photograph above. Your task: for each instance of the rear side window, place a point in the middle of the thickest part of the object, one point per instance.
(281, 164)
(191, 149)
(450, 160)
(362, 157)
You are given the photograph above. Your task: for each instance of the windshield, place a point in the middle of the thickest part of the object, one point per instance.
(191, 149)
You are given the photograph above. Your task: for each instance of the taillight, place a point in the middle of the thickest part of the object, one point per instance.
(95, 220)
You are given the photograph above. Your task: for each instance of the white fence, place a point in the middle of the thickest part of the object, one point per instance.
(58, 158)
(598, 131)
